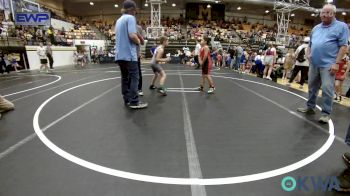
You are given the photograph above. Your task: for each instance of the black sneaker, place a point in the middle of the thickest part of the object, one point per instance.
(200, 88)
(344, 181)
(152, 87)
(139, 105)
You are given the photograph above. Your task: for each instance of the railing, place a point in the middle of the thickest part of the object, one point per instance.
(11, 41)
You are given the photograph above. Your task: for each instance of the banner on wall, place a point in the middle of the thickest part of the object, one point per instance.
(33, 19)
(201, 11)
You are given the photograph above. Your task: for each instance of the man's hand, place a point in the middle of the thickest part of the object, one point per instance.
(334, 68)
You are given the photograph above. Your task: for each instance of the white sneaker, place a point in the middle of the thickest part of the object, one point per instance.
(211, 90)
(269, 78)
(140, 93)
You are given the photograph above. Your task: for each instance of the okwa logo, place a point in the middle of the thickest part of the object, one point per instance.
(310, 183)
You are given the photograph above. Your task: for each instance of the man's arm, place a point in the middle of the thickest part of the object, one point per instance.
(308, 54)
(133, 31)
(133, 37)
(341, 53)
(343, 42)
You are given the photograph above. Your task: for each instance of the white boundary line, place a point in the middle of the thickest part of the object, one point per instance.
(192, 153)
(45, 90)
(21, 84)
(182, 91)
(58, 79)
(179, 181)
(33, 135)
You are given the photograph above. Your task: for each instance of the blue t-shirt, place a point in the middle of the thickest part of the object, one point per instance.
(326, 42)
(125, 48)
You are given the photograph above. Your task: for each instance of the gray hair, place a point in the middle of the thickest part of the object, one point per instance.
(334, 8)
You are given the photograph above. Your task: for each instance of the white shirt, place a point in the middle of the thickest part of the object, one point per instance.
(197, 49)
(306, 62)
(258, 57)
(41, 52)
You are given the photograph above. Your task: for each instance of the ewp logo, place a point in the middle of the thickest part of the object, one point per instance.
(310, 183)
(35, 19)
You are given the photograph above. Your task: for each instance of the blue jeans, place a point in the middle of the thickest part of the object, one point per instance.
(238, 62)
(130, 81)
(321, 77)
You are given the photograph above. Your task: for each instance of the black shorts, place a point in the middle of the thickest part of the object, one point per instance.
(205, 68)
(43, 61)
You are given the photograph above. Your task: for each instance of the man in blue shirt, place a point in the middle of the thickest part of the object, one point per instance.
(126, 55)
(327, 47)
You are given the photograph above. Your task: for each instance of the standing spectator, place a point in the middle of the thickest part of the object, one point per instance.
(232, 51)
(239, 53)
(41, 51)
(196, 53)
(270, 59)
(100, 55)
(301, 63)
(49, 54)
(327, 47)
(126, 55)
(5, 105)
(3, 65)
(259, 65)
(288, 63)
(51, 35)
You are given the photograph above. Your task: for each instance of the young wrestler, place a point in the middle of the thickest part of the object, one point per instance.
(157, 68)
(206, 64)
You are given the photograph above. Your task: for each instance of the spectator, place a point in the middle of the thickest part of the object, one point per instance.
(288, 63)
(126, 55)
(301, 63)
(270, 60)
(327, 47)
(41, 51)
(49, 54)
